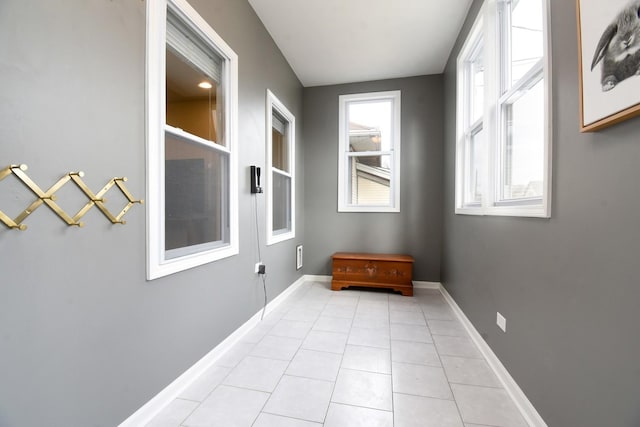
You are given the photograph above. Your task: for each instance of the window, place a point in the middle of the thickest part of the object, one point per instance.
(280, 178)
(191, 141)
(369, 152)
(503, 152)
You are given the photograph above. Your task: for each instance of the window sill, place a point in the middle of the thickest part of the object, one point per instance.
(161, 268)
(514, 211)
(373, 209)
(277, 238)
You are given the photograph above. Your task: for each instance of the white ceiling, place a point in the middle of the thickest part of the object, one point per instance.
(342, 41)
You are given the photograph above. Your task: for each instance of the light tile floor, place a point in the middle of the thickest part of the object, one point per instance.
(352, 358)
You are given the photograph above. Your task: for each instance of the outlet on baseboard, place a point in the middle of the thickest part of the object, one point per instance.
(501, 322)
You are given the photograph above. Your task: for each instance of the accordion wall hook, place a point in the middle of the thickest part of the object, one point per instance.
(49, 198)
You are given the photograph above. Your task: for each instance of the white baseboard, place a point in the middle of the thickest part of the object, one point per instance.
(150, 409)
(317, 278)
(528, 411)
(426, 285)
(416, 283)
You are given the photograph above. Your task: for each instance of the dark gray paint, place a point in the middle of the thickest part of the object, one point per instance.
(416, 230)
(85, 340)
(568, 286)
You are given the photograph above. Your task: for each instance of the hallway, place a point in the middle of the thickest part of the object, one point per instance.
(349, 358)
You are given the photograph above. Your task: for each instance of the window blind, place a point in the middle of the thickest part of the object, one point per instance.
(184, 42)
(278, 123)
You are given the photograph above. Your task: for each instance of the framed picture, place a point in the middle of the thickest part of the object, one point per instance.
(609, 52)
(298, 257)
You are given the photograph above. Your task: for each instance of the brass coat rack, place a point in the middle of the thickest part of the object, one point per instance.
(49, 198)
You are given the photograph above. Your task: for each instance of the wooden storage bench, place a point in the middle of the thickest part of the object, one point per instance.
(372, 270)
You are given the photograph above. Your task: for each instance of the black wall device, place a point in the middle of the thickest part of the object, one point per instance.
(255, 180)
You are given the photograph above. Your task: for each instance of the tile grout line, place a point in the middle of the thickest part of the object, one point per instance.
(281, 376)
(453, 396)
(287, 367)
(326, 413)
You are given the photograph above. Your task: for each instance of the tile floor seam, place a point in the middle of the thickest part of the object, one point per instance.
(455, 401)
(453, 397)
(360, 370)
(312, 378)
(482, 386)
(242, 388)
(285, 416)
(280, 380)
(261, 409)
(426, 397)
(188, 400)
(326, 413)
(360, 406)
(199, 403)
(391, 362)
(190, 413)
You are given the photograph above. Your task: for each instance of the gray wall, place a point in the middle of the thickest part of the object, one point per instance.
(568, 286)
(85, 340)
(416, 230)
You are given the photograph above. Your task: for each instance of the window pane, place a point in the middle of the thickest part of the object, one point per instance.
(196, 196)
(523, 153)
(370, 125)
(526, 36)
(194, 101)
(370, 179)
(474, 171)
(477, 85)
(281, 203)
(279, 143)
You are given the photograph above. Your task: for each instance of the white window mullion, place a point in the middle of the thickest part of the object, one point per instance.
(281, 172)
(493, 86)
(194, 138)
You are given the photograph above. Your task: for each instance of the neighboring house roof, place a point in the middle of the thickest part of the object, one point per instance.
(374, 173)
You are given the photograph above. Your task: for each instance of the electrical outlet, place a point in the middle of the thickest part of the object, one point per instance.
(501, 322)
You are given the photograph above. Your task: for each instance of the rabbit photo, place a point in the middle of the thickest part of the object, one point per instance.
(619, 47)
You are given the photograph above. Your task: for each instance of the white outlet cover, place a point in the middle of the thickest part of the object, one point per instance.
(257, 268)
(501, 322)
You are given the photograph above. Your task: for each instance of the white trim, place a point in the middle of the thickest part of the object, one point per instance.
(343, 143)
(426, 285)
(273, 103)
(157, 265)
(463, 110)
(527, 410)
(150, 409)
(318, 278)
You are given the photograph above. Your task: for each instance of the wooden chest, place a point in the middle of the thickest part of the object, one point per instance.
(373, 270)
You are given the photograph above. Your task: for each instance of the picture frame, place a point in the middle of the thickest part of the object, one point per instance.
(298, 257)
(609, 72)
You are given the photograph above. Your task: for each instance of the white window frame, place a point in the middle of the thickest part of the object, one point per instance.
(344, 204)
(466, 129)
(274, 104)
(157, 264)
(489, 25)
